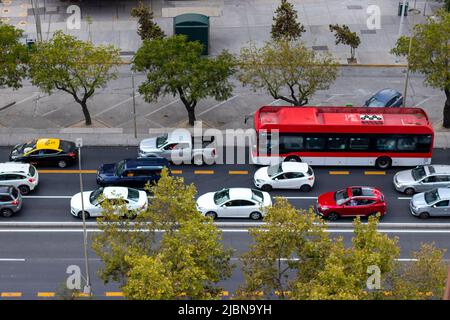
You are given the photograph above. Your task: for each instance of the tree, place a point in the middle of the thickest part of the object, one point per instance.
(344, 35)
(284, 245)
(13, 57)
(175, 66)
(423, 278)
(148, 29)
(285, 25)
(446, 4)
(430, 55)
(188, 261)
(281, 66)
(73, 66)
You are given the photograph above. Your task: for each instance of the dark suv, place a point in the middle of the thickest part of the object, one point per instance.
(131, 172)
(10, 201)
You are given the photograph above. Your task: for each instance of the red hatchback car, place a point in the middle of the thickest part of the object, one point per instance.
(351, 202)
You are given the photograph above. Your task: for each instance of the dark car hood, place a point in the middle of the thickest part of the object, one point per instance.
(107, 169)
(17, 151)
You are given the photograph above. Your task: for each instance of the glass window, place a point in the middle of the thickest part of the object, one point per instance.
(386, 143)
(443, 203)
(161, 140)
(442, 178)
(133, 194)
(294, 175)
(275, 169)
(315, 143)
(221, 196)
(95, 196)
(337, 143)
(431, 179)
(5, 198)
(246, 203)
(257, 195)
(431, 196)
(407, 144)
(418, 173)
(357, 144)
(290, 143)
(32, 171)
(423, 143)
(341, 196)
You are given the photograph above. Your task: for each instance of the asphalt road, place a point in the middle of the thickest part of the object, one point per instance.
(50, 201)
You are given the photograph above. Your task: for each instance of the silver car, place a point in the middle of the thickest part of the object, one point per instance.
(422, 178)
(10, 201)
(432, 203)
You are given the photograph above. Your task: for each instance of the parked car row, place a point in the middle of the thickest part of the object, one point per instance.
(123, 179)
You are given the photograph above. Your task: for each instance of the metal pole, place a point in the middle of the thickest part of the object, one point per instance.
(405, 91)
(87, 287)
(134, 105)
(401, 19)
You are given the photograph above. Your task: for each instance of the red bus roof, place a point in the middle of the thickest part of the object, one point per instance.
(342, 119)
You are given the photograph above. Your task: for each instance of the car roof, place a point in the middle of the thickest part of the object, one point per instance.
(240, 193)
(115, 192)
(440, 168)
(179, 135)
(444, 193)
(294, 167)
(368, 192)
(146, 163)
(386, 93)
(48, 143)
(5, 189)
(7, 167)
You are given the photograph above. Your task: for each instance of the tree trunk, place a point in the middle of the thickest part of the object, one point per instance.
(86, 113)
(446, 121)
(191, 115)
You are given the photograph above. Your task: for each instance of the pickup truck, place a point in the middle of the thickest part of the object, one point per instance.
(180, 147)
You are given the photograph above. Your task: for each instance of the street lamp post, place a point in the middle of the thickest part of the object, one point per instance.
(405, 90)
(134, 105)
(87, 287)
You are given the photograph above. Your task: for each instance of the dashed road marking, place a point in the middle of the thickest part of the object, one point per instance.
(113, 294)
(367, 173)
(339, 172)
(177, 171)
(67, 171)
(11, 294)
(46, 294)
(203, 171)
(237, 172)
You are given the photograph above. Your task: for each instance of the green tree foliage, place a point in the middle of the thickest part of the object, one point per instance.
(187, 261)
(286, 244)
(13, 57)
(344, 35)
(446, 4)
(175, 66)
(148, 29)
(430, 55)
(285, 25)
(287, 70)
(73, 66)
(423, 278)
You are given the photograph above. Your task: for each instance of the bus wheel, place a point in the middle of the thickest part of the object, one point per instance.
(292, 159)
(383, 162)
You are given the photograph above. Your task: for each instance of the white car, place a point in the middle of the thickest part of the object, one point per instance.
(234, 203)
(23, 176)
(285, 175)
(134, 199)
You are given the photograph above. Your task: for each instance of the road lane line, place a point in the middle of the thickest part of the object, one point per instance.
(339, 172)
(47, 197)
(11, 260)
(237, 172)
(46, 294)
(113, 294)
(217, 105)
(177, 171)
(404, 198)
(11, 294)
(368, 173)
(203, 171)
(67, 171)
(300, 198)
(116, 105)
(162, 107)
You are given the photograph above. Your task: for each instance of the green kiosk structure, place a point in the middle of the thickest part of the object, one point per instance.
(195, 27)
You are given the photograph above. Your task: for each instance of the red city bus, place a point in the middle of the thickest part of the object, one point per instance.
(352, 136)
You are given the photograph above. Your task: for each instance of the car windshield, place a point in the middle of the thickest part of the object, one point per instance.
(432, 196)
(161, 140)
(32, 171)
(26, 147)
(275, 169)
(374, 102)
(133, 194)
(340, 196)
(94, 197)
(221, 196)
(418, 173)
(119, 167)
(257, 196)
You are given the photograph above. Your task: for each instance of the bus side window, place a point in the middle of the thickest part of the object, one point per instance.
(359, 144)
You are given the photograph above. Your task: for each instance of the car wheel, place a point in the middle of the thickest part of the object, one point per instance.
(266, 187)
(383, 162)
(333, 216)
(292, 159)
(62, 163)
(305, 188)
(198, 160)
(86, 215)
(24, 189)
(211, 214)
(255, 215)
(424, 215)
(409, 191)
(6, 213)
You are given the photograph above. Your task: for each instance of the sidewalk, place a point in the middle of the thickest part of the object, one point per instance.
(233, 23)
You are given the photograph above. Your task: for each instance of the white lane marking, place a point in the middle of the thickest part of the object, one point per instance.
(217, 105)
(116, 105)
(11, 260)
(424, 100)
(274, 101)
(47, 197)
(299, 198)
(26, 99)
(160, 108)
(404, 198)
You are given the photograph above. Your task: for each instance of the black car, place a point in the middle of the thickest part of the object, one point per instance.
(132, 172)
(45, 152)
(389, 98)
